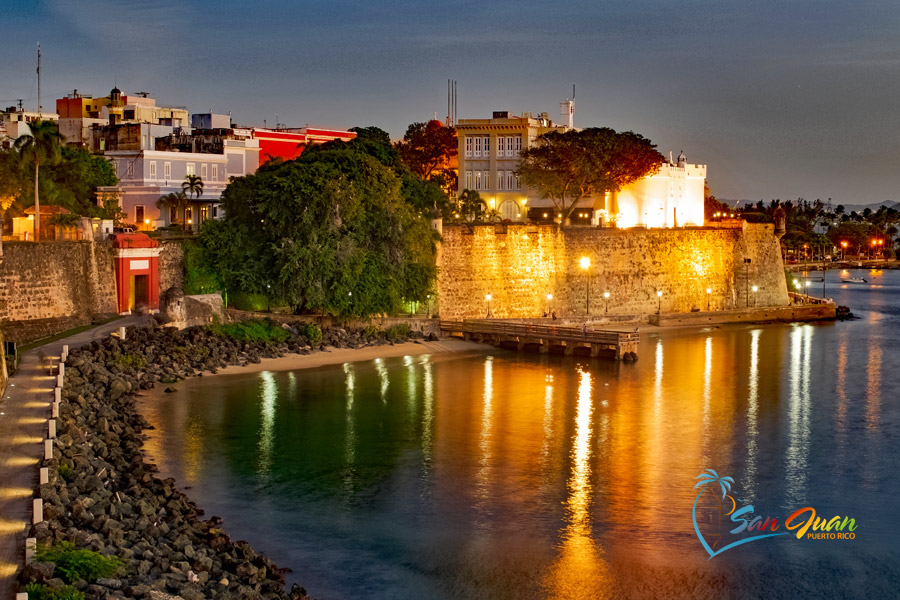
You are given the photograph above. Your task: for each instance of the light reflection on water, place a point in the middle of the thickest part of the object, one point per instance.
(521, 476)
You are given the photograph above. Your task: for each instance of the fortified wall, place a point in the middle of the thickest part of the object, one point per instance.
(48, 287)
(519, 265)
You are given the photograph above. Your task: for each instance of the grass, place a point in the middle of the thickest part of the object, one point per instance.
(398, 332)
(134, 361)
(259, 330)
(77, 563)
(39, 591)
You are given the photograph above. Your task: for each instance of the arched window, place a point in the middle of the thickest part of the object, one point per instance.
(509, 210)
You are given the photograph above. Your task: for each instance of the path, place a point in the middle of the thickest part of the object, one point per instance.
(24, 410)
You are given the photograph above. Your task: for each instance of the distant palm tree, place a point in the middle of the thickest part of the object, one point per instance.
(44, 144)
(192, 185)
(176, 200)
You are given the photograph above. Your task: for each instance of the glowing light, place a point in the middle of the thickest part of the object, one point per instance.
(585, 262)
(709, 290)
(488, 297)
(606, 295)
(659, 293)
(755, 288)
(549, 296)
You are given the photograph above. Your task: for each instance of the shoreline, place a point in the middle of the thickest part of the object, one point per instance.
(336, 356)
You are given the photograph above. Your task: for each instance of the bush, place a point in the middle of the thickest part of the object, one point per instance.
(134, 361)
(39, 591)
(313, 333)
(64, 470)
(398, 332)
(247, 301)
(74, 564)
(260, 330)
(371, 332)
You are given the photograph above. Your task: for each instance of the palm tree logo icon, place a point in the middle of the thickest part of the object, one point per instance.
(709, 507)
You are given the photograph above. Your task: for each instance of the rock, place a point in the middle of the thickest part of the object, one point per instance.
(37, 571)
(223, 582)
(113, 584)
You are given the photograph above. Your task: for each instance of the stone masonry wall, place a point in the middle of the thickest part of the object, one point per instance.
(48, 281)
(171, 264)
(519, 265)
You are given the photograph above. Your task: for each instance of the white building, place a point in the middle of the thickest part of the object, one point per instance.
(14, 123)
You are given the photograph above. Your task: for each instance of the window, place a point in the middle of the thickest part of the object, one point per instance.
(102, 144)
(153, 169)
(500, 178)
(518, 146)
(203, 171)
(487, 147)
(167, 170)
(187, 216)
(510, 180)
(516, 178)
(215, 172)
(468, 180)
(478, 147)
(469, 142)
(477, 180)
(191, 169)
(501, 146)
(139, 215)
(510, 210)
(510, 144)
(487, 180)
(215, 211)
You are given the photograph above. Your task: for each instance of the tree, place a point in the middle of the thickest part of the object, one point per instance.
(427, 148)
(568, 166)
(176, 200)
(42, 145)
(471, 206)
(328, 232)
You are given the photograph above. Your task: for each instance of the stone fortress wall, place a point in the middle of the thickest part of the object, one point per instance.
(519, 265)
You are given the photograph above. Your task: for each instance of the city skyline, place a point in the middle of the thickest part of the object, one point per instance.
(779, 100)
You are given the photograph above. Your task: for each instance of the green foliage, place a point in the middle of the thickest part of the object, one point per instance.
(248, 301)
(257, 330)
(128, 360)
(39, 591)
(110, 209)
(398, 332)
(567, 166)
(376, 143)
(74, 563)
(371, 331)
(65, 219)
(329, 232)
(65, 470)
(198, 277)
(312, 332)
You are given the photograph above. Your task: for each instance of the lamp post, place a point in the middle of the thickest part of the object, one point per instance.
(806, 285)
(755, 289)
(659, 308)
(585, 264)
(427, 306)
(488, 299)
(268, 297)
(843, 250)
(708, 296)
(549, 303)
(606, 297)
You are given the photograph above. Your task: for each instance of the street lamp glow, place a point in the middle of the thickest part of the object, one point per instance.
(659, 293)
(606, 295)
(709, 290)
(488, 297)
(549, 296)
(755, 288)
(585, 262)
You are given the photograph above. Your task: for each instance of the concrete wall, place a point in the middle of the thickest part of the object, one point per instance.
(519, 265)
(171, 264)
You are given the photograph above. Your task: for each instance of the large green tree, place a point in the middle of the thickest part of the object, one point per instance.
(427, 148)
(329, 232)
(569, 166)
(42, 145)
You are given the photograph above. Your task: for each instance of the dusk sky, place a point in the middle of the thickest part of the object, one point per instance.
(781, 99)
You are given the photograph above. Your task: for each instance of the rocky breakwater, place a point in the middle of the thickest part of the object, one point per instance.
(103, 496)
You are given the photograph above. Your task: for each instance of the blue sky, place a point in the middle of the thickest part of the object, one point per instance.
(780, 99)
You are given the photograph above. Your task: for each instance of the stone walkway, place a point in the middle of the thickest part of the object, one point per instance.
(24, 410)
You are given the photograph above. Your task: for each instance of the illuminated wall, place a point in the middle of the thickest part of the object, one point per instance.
(519, 265)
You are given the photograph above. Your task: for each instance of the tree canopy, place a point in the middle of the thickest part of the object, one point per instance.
(328, 232)
(568, 166)
(427, 148)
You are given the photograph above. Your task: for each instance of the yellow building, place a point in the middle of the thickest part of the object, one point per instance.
(489, 154)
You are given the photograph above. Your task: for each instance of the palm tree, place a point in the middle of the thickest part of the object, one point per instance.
(192, 185)
(43, 145)
(176, 200)
(710, 512)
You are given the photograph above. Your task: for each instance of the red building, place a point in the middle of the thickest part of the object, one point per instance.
(137, 272)
(288, 144)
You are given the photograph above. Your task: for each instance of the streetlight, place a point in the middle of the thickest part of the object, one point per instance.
(549, 302)
(755, 289)
(606, 297)
(488, 298)
(268, 297)
(708, 295)
(843, 249)
(659, 295)
(585, 264)
(808, 283)
(427, 305)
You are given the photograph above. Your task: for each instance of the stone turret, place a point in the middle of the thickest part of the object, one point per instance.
(780, 219)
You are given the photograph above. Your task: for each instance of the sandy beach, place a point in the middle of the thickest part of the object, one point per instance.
(334, 356)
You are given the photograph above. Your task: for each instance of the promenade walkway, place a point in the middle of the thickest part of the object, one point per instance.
(24, 409)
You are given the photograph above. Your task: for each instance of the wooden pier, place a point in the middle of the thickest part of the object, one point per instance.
(548, 338)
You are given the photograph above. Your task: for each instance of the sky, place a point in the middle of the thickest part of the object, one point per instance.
(780, 99)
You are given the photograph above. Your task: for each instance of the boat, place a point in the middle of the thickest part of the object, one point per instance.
(854, 280)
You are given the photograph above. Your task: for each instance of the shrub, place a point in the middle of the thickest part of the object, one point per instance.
(371, 332)
(39, 591)
(134, 361)
(64, 470)
(312, 332)
(398, 332)
(260, 330)
(74, 563)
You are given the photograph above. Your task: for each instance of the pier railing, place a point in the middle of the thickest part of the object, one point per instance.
(547, 332)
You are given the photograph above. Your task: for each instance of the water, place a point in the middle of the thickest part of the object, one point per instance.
(504, 475)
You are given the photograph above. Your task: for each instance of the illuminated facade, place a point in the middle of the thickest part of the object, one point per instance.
(489, 154)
